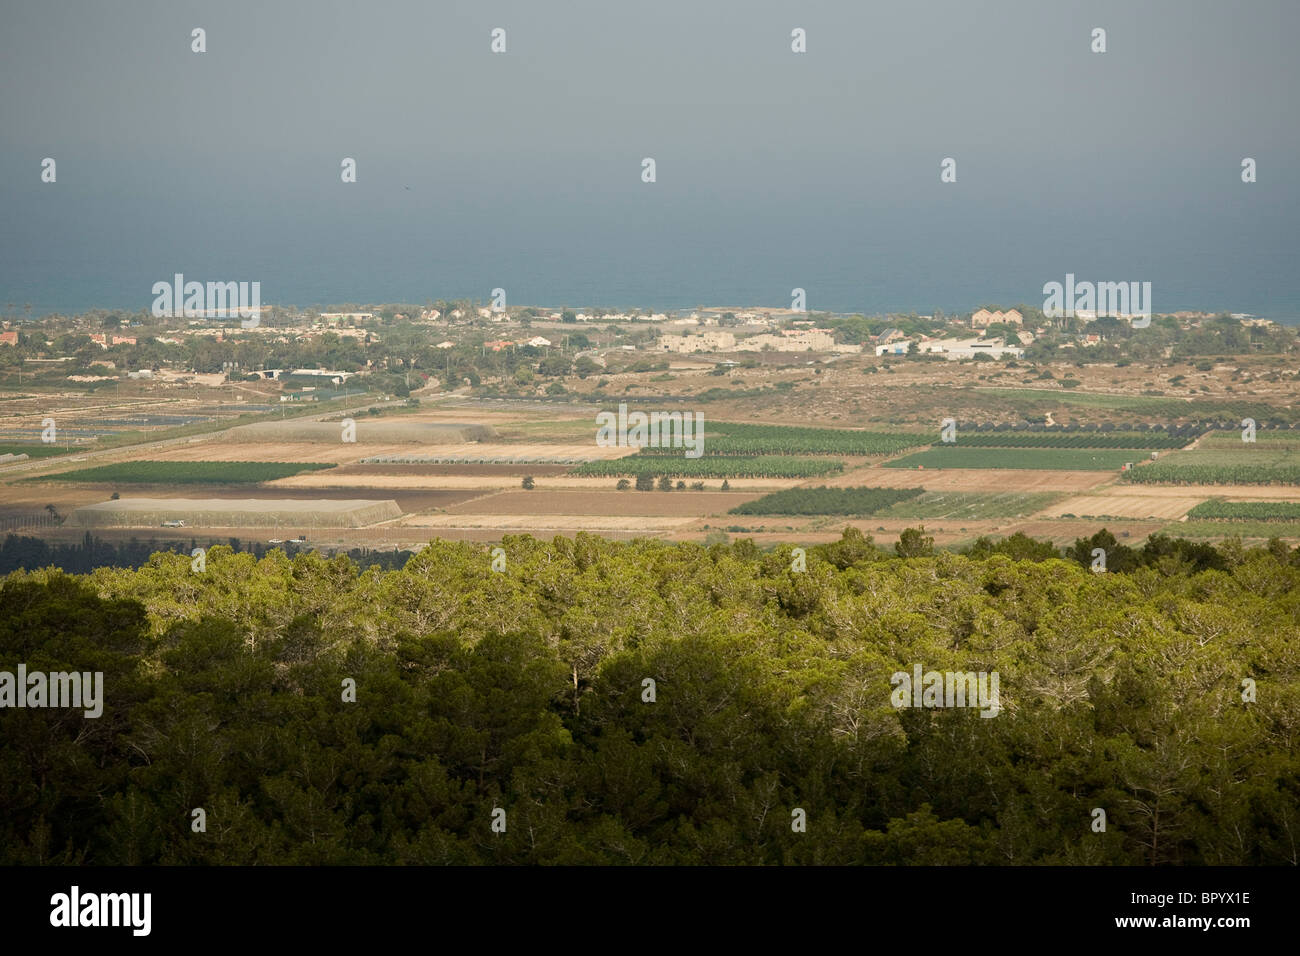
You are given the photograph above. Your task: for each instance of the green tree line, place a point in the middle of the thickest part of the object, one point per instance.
(524, 689)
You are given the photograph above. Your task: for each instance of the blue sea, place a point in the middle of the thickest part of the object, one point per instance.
(72, 249)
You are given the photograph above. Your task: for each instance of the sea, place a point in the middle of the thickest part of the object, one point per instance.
(63, 258)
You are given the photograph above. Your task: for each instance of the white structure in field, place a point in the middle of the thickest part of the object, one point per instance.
(969, 348)
(894, 347)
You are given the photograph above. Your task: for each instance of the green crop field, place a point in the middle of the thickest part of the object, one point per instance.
(972, 505)
(1162, 408)
(187, 472)
(733, 439)
(1225, 529)
(1243, 464)
(1270, 439)
(761, 466)
(1247, 510)
(34, 450)
(1147, 441)
(826, 501)
(1065, 459)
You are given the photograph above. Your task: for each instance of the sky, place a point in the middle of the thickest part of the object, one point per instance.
(774, 169)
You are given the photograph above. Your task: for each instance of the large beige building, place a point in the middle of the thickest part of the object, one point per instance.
(704, 342)
(790, 340)
(984, 318)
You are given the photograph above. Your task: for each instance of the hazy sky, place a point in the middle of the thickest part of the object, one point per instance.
(774, 169)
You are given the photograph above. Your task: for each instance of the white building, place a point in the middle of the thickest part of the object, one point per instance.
(969, 348)
(895, 347)
(338, 378)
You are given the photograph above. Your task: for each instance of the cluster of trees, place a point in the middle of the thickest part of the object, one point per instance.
(24, 552)
(588, 701)
(1165, 339)
(402, 348)
(646, 482)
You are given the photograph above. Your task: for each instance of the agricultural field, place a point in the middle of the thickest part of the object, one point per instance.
(1242, 464)
(1120, 505)
(677, 466)
(826, 501)
(397, 430)
(626, 525)
(972, 479)
(733, 439)
(971, 506)
(606, 502)
(1243, 529)
(1157, 407)
(1059, 439)
(784, 426)
(186, 472)
(32, 449)
(235, 513)
(1219, 510)
(1065, 459)
(1232, 439)
(400, 458)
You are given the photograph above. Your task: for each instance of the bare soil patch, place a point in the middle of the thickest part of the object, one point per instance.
(969, 479)
(529, 523)
(1167, 507)
(606, 503)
